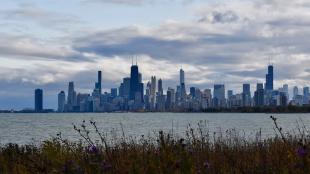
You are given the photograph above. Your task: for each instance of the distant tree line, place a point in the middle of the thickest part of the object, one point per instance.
(264, 109)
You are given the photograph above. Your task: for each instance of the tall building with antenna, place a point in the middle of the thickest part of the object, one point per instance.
(269, 78)
(182, 85)
(136, 85)
(182, 76)
(99, 83)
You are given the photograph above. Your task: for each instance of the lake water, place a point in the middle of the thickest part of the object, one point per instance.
(28, 128)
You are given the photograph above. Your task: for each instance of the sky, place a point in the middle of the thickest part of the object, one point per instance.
(46, 44)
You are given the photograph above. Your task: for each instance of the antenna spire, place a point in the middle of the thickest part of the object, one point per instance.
(136, 60)
(270, 61)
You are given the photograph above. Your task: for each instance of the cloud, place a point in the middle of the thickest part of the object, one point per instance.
(204, 48)
(137, 2)
(122, 2)
(27, 47)
(228, 35)
(224, 42)
(41, 17)
(220, 17)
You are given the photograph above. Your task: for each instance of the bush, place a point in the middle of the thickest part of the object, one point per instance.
(199, 151)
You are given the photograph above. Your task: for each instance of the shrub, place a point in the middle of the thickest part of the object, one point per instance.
(199, 151)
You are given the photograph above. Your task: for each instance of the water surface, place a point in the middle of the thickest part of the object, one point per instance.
(27, 128)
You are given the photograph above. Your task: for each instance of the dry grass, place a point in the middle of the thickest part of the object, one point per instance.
(197, 152)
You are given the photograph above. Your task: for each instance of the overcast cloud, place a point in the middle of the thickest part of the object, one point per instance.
(228, 42)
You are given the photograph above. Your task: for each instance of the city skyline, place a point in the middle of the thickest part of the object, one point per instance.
(244, 88)
(133, 95)
(46, 44)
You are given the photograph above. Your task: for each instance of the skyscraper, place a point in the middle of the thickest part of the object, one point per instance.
(246, 89)
(259, 95)
(140, 78)
(246, 95)
(192, 91)
(125, 88)
(306, 95)
(153, 85)
(285, 90)
(96, 94)
(182, 76)
(172, 95)
(113, 92)
(71, 101)
(121, 90)
(230, 93)
(134, 81)
(61, 101)
(198, 94)
(182, 85)
(147, 96)
(170, 99)
(219, 95)
(153, 92)
(136, 87)
(295, 92)
(83, 101)
(160, 87)
(160, 98)
(269, 79)
(148, 88)
(282, 95)
(206, 98)
(99, 83)
(38, 103)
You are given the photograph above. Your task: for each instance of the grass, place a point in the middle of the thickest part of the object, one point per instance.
(199, 151)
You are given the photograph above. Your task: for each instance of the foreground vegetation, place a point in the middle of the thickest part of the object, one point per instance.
(199, 151)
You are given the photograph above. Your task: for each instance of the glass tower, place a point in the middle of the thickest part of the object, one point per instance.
(38, 100)
(269, 79)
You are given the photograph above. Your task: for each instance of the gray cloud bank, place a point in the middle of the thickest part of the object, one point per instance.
(136, 2)
(227, 42)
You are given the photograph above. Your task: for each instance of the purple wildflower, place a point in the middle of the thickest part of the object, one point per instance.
(206, 165)
(93, 149)
(301, 152)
